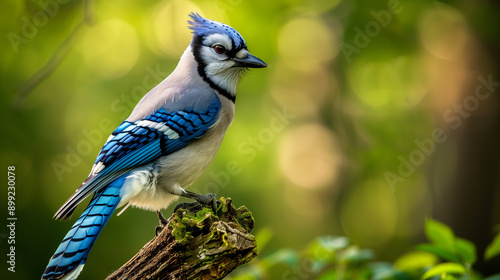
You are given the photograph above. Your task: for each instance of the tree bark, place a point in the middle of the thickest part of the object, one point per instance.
(195, 245)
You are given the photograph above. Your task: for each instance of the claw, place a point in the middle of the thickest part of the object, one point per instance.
(158, 230)
(210, 200)
(163, 223)
(205, 200)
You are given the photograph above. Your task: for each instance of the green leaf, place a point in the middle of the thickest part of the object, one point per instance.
(353, 254)
(444, 253)
(324, 248)
(383, 271)
(439, 234)
(333, 243)
(466, 250)
(493, 249)
(444, 268)
(415, 260)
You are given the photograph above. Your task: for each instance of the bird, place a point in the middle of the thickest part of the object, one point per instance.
(165, 144)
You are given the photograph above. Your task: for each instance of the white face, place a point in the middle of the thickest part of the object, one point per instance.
(220, 68)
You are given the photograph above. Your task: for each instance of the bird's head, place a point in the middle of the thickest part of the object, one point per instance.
(221, 54)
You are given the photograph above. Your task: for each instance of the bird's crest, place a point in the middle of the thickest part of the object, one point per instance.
(202, 27)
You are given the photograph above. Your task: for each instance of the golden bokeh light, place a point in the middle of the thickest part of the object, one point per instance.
(394, 84)
(443, 32)
(305, 41)
(449, 52)
(310, 156)
(110, 48)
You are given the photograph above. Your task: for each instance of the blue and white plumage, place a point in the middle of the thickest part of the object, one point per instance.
(165, 144)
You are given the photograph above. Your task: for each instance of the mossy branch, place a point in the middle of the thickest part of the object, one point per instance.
(202, 245)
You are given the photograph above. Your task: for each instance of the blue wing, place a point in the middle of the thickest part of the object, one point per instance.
(137, 143)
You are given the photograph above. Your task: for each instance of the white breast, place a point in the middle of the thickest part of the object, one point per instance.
(155, 185)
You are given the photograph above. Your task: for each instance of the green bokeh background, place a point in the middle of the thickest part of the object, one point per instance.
(351, 90)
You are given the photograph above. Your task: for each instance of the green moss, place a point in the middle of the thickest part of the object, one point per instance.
(187, 224)
(245, 218)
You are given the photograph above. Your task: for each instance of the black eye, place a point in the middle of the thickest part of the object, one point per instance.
(219, 49)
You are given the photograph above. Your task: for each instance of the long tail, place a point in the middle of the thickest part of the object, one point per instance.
(69, 258)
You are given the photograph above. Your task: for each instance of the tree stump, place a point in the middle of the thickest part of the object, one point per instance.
(195, 245)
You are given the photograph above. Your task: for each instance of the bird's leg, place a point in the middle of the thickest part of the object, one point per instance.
(205, 200)
(163, 223)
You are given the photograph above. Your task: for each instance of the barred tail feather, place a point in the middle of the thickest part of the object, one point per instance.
(69, 258)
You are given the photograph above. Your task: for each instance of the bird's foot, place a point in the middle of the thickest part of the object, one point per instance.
(207, 200)
(163, 223)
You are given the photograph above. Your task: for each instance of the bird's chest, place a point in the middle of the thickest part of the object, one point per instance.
(153, 186)
(186, 165)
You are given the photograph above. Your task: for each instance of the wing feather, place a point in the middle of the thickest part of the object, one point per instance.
(134, 144)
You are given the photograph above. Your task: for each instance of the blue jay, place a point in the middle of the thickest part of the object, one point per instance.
(165, 144)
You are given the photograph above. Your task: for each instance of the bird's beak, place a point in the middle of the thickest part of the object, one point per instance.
(251, 61)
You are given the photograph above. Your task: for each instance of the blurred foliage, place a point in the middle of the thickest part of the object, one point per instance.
(367, 121)
(330, 257)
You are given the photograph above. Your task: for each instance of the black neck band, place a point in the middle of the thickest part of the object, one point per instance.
(196, 46)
